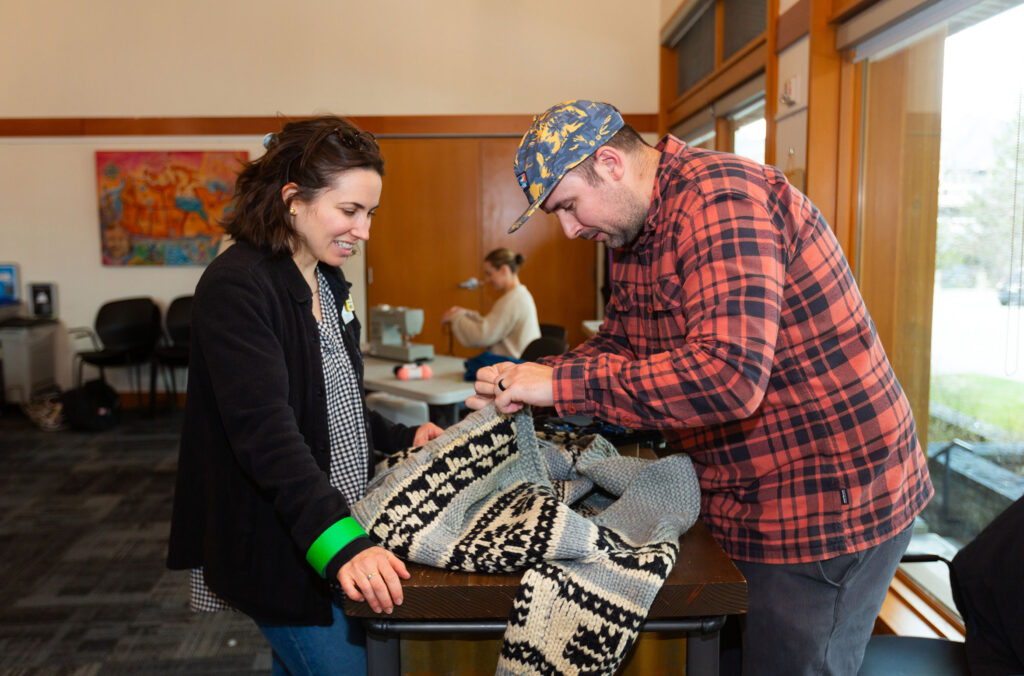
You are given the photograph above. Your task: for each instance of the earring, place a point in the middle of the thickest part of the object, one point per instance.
(292, 211)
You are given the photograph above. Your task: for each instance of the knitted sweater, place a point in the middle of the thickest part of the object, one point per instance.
(507, 329)
(488, 496)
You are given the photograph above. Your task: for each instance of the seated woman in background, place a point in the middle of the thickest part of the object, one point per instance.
(277, 442)
(512, 323)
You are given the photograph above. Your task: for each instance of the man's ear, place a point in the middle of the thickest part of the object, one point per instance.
(610, 161)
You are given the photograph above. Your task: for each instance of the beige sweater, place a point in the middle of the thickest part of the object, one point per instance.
(507, 329)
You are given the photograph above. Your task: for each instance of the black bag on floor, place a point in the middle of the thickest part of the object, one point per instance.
(94, 406)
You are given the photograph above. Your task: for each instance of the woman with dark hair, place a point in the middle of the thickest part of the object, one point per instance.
(512, 323)
(277, 441)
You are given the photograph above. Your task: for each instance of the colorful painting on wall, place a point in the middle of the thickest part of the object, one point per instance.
(164, 207)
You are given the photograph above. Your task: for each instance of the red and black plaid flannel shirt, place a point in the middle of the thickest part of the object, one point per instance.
(736, 326)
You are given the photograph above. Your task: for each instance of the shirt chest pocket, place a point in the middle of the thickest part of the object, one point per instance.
(666, 318)
(652, 310)
(649, 296)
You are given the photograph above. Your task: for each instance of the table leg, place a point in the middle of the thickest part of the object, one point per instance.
(702, 653)
(383, 657)
(444, 415)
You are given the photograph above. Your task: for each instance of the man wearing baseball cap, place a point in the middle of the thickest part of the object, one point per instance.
(735, 327)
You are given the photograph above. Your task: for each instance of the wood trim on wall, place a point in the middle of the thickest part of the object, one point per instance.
(843, 9)
(771, 82)
(823, 113)
(724, 134)
(848, 157)
(719, 33)
(381, 125)
(793, 25)
(668, 76)
(909, 610)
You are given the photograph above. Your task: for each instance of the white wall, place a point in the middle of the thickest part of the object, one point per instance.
(352, 57)
(666, 8)
(114, 58)
(791, 118)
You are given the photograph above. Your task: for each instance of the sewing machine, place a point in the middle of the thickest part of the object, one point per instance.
(390, 329)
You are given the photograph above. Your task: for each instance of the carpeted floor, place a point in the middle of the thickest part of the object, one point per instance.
(83, 586)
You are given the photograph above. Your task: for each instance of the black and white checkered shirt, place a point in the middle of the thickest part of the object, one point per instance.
(345, 422)
(349, 448)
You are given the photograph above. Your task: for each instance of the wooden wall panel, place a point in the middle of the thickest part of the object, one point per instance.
(425, 239)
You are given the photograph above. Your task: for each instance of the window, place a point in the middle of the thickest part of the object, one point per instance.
(748, 131)
(704, 138)
(744, 20)
(940, 229)
(695, 49)
(734, 123)
(703, 37)
(698, 130)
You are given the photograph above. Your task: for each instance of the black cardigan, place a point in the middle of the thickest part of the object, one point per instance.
(252, 489)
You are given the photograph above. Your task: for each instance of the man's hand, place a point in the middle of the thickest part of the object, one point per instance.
(425, 433)
(373, 575)
(510, 386)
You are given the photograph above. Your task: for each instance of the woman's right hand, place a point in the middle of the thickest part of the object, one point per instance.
(373, 575)
(450, 314)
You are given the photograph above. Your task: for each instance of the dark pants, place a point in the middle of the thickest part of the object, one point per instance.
(811, 618)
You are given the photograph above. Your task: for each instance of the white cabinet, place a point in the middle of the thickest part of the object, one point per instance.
(27, 349)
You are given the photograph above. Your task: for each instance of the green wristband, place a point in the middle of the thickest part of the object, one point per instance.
(331, 541)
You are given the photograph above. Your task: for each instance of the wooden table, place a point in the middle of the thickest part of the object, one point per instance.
(442, 393)
(703, 588)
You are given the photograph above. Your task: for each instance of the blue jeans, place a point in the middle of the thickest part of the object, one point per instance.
(317, 651)
(812, 618)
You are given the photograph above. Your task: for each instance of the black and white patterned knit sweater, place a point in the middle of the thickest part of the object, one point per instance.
(596, 533)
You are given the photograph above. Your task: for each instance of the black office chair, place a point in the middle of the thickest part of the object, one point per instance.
(124, 334)
(554, 331)
(986, 575)
(173, 350)
(890, 655)
(545, 346)
(985, 580)
(914, 656)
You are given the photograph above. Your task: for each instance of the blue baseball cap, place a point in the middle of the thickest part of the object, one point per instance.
(558, 140)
